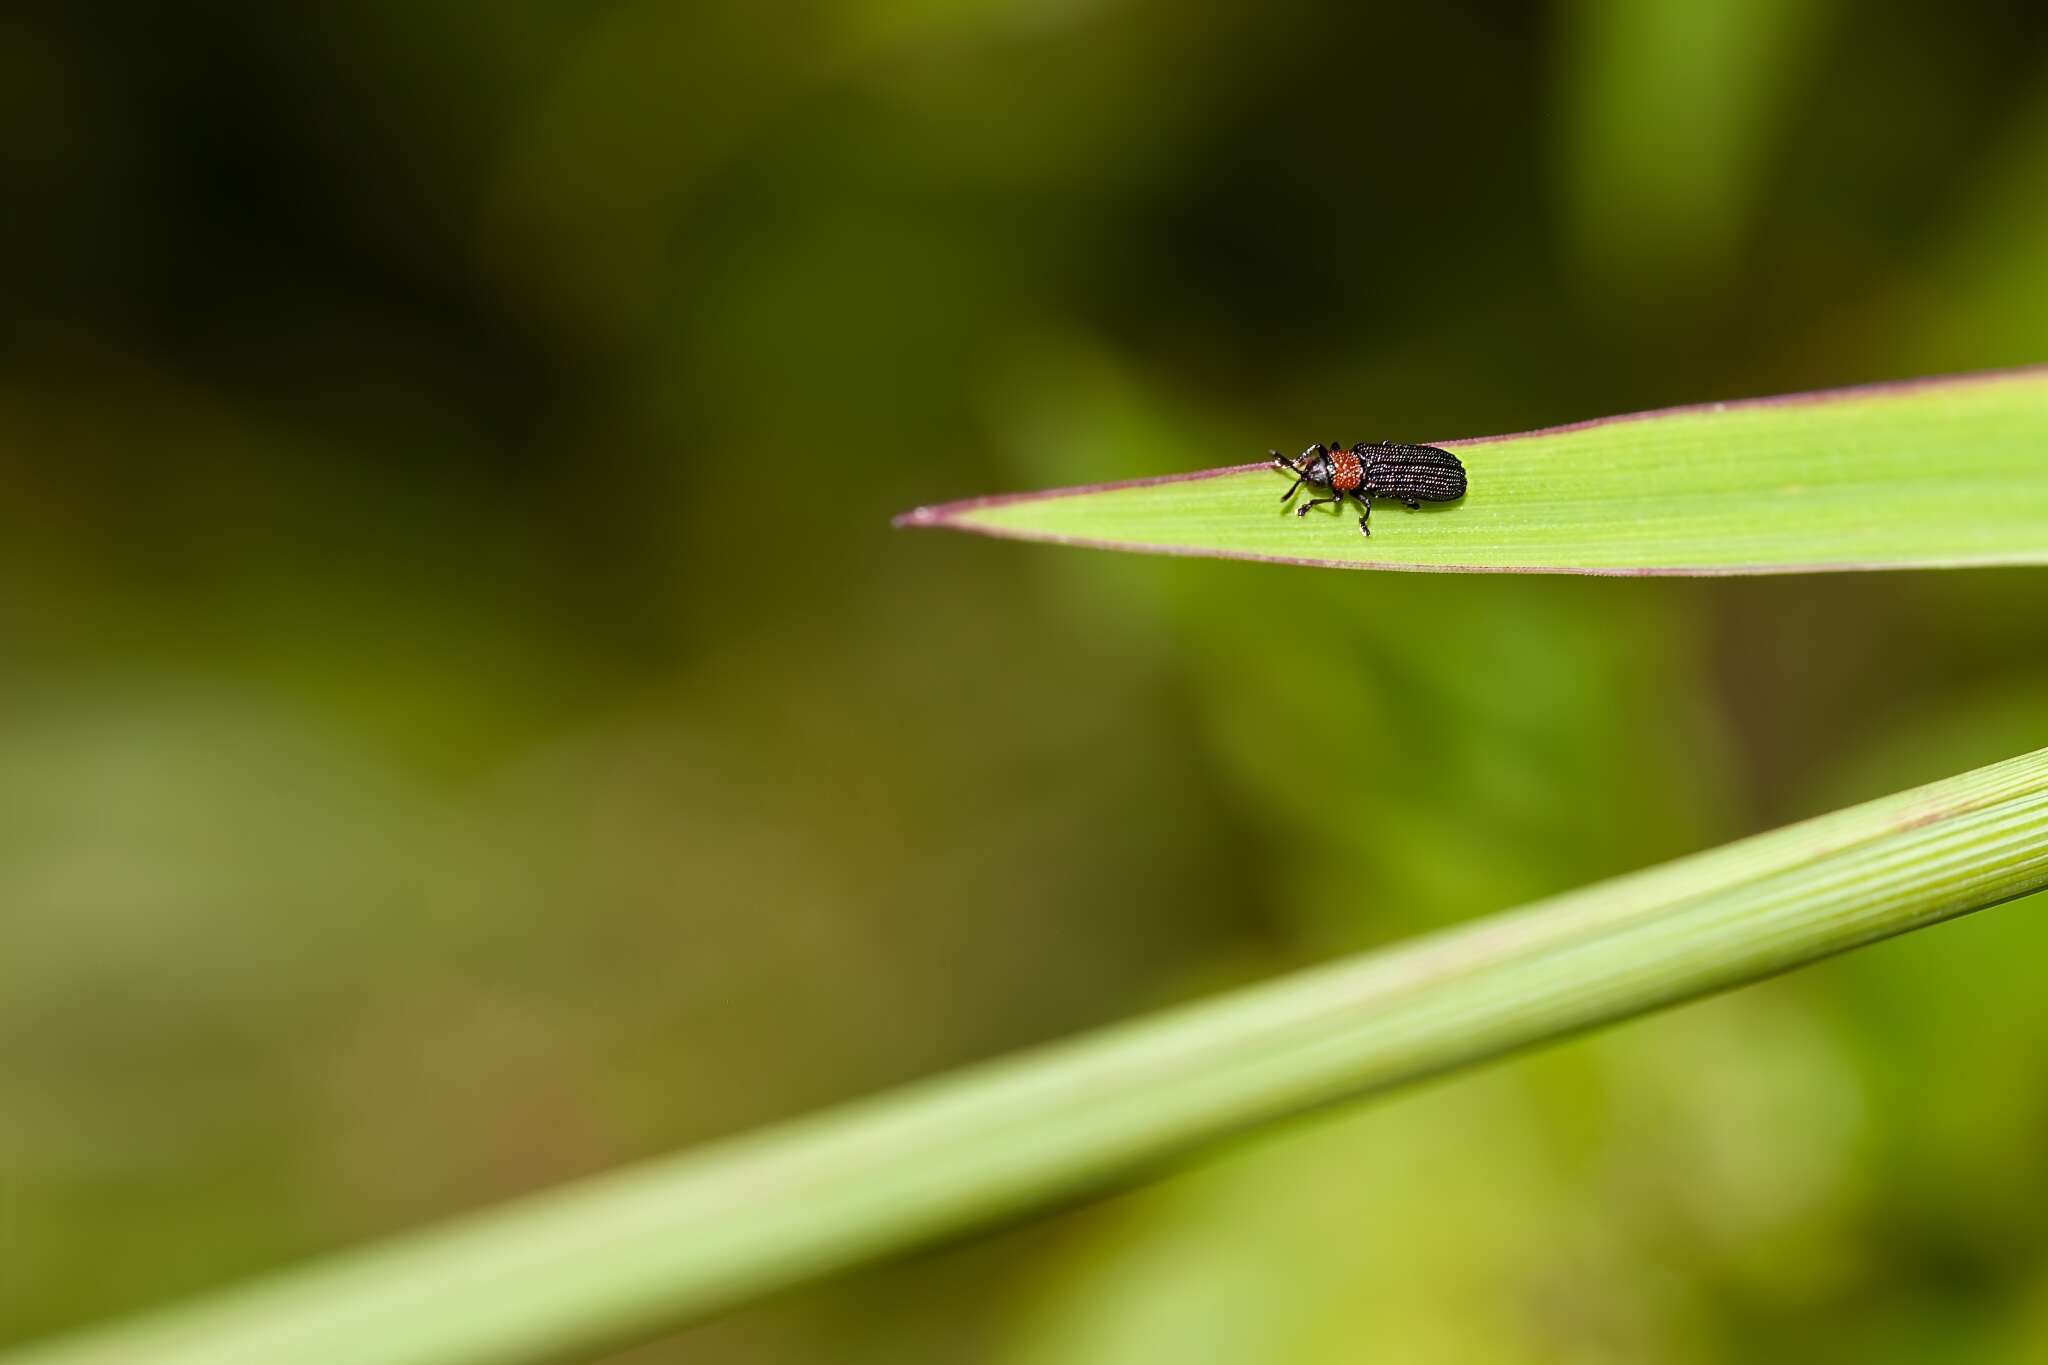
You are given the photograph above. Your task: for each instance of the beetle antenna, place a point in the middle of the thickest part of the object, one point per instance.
(1285, 465)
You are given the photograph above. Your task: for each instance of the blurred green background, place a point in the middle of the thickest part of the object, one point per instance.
(465, 721)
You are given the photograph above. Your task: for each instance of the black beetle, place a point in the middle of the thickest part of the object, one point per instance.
(1374, 469)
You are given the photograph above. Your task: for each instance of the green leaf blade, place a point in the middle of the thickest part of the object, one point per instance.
(612, 1259)
(1940, 473)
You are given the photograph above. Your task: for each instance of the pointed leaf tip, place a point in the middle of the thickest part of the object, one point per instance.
(1943, 472)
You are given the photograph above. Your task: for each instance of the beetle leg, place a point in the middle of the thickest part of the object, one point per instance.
(1302, 510)
(1365, 522)
(1410, 504)
(1315, 451)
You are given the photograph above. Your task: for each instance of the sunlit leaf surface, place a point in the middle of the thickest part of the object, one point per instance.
(1933, 473)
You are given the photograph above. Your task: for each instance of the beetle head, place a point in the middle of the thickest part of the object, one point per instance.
(1315, 466)
(1312, 466)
